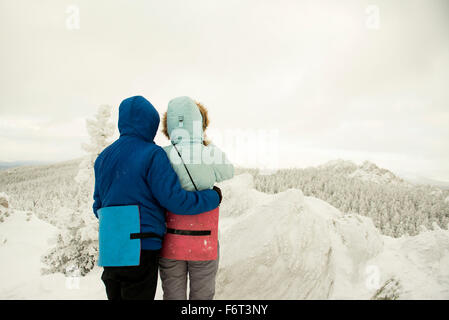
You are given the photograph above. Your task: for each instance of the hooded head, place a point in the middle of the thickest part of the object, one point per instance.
(183, 121)
(138, 117)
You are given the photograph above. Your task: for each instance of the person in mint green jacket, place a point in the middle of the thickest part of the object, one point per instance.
(184, 124)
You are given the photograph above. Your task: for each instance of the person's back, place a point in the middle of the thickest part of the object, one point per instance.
(199, 167)
(135, 171)
(120, 180)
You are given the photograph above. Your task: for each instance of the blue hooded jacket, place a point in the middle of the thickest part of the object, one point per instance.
(135, 171)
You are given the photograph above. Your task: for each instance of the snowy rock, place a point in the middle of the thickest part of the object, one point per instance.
(437, 192)
(287, 246)
(239, 195)
(263, 256)
(419, 263)
(369, 171)
(360, 236)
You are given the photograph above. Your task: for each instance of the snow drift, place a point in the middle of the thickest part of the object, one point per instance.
(24, 239)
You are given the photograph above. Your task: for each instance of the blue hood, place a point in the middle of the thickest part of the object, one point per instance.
(138, 117)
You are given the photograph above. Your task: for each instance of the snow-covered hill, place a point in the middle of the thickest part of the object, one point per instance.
(370, 172)
(287, 246)
(396, 207)
(367, 171)
(273, 246)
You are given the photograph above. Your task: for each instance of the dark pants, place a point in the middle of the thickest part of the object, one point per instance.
(133, 283)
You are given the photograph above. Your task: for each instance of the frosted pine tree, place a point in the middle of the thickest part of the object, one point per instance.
(100, 131)
(77, 243)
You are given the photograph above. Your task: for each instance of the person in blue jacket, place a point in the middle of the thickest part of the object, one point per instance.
(133, 170)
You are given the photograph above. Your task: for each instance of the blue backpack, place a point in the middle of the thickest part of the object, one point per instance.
(119, 236)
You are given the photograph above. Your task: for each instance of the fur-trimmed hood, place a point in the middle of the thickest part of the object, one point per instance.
(185, 120)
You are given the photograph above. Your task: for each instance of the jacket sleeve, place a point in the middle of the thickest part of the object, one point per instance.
(223, 170)
(97, 201)
(166, 188)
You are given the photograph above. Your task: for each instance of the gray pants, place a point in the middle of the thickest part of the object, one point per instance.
(201, 275)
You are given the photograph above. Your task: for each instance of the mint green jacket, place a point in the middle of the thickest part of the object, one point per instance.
(207, 164)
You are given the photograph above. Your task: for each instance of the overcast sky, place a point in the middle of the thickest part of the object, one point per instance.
(338, 79)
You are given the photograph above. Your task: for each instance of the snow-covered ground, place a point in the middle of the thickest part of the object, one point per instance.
(23, 240)
(273, 246)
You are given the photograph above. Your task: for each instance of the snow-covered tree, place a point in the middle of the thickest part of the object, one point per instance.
(77, 242)
(100, 131)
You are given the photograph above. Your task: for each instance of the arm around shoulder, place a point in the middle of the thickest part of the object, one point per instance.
(166, 188)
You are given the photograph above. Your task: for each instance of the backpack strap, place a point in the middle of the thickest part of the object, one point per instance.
(191, 179)
(189, 232)
(144, 235)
